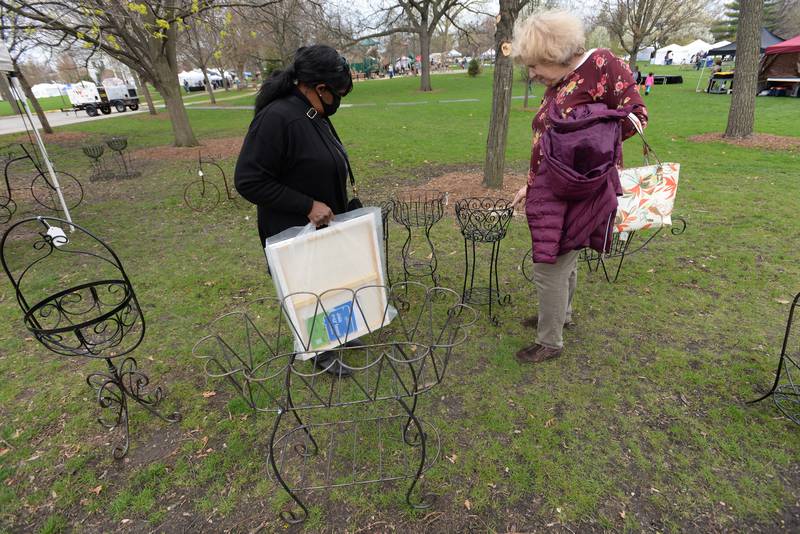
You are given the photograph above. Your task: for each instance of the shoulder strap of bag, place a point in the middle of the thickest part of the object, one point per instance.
(646, 148)
(347, 159)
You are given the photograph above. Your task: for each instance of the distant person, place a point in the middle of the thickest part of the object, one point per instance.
(715, 69)
(570, 205)
(637, 77)
(668, 58)
(649, 82)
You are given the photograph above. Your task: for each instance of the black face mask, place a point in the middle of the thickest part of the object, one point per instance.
(330, 109)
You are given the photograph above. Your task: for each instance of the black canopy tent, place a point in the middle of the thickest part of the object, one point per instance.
(767, 39)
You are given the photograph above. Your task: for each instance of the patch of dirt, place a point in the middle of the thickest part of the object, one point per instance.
(765, 141)
(460, 185)
(224, 147)
(63, 139)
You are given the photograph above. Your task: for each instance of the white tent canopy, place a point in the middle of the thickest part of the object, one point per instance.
(489, 54)
(454, 53)
(681, 54)
(644, 54)
(45, 90)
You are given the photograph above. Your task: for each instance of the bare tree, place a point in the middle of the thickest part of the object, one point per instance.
(748, 50)
(19, 43)
(200, 41)
(495, 161)
(637, 23)
(421, 18)
(142, 35)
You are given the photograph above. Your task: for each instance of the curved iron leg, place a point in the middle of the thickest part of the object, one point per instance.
(301, 448)
(433, 261)
(290, 516)
(426, 500)
(404, 252)
(466, 272)
(774, 385)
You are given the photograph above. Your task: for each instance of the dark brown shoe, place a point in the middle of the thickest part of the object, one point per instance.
(537, 354)
(533, 322)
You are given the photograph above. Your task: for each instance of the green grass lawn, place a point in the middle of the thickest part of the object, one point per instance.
(640, 426)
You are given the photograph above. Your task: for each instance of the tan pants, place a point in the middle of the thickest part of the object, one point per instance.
(555, 286)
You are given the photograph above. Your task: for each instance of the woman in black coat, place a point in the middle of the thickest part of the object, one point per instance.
(292, 164)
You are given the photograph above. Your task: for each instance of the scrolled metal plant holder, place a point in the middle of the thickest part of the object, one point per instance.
(41, 188)
(787, 396)
(391, 366)
(119, 144)
(99, 319)
(419, 211)
(483, 220)
(619, 250)
(202, 195)
(99, 169)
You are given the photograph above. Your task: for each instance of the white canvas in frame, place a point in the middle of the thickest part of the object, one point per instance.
(328, 262)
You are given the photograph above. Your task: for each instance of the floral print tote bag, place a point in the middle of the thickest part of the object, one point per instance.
(648, 193)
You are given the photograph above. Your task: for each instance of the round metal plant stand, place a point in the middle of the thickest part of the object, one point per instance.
(335, 431)
(41, 188)
(483, 220)
(100, 170)
(203, 195)
(77, 300)
(417, 212)
(119, 145)
(786, 395)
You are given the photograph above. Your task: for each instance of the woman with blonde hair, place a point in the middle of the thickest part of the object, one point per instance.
(589, 107)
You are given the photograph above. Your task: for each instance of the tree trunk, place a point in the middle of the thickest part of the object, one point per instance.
(501, 99)
(240, 73)
(143, 90)
(37, 107)
(748, 50)
(5, 91)
(167, 84)
(209, 88)
(425, 61)
(634, 51)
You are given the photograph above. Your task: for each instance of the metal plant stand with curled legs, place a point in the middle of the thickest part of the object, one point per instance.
(119, 144)
(42, 190)
(77, 300)
(100, 170)
(483, 220)
(343, 431)
(386, 210)
(202, 195)
(786, 396)
(619, 250)
(418, 211)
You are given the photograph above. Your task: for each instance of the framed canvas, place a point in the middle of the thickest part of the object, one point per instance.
(332, 280)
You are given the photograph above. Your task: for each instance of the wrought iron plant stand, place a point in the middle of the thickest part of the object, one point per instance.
(77, 300)
(100, 171)
(42, 190)
(119, 144)
(483, 220)
(787, 396)
(202, 195)
(343, 431)
(418, 211)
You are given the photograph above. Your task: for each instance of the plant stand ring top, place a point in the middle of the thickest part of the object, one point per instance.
(483, 220)
(96, 316)
(418, 211)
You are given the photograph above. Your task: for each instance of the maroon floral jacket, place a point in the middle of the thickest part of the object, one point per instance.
(603, 77)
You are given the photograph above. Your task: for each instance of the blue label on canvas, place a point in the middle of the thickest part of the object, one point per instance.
(340, 321)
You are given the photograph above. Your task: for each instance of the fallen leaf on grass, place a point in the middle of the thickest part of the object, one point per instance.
(622, 514)
(467, 504)
(452, 458)
(549, 422)
(782, 301)
(96, 490)
(208, 394)
(3, 452)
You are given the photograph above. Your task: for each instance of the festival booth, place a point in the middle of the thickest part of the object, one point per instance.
(681, 55)
(779, 72)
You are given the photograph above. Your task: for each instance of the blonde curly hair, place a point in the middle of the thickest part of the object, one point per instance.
(548, 37)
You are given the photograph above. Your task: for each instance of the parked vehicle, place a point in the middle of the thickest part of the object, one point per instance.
(88, 97)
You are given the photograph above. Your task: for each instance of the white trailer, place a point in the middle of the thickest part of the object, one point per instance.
(86, 96)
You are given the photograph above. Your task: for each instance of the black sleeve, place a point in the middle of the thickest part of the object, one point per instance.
(258, 169)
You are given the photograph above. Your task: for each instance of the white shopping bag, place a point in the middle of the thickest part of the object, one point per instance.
(331, 280)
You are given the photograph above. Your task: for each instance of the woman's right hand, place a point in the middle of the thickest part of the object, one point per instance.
(519, 198)
(320, 214)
